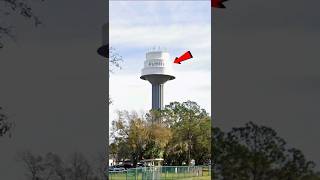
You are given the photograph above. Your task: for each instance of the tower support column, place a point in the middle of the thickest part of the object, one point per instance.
(157, 96)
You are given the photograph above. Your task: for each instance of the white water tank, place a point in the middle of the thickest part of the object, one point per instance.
(157, 62)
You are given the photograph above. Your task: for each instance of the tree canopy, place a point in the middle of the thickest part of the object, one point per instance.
(257, 153)
(178, 133)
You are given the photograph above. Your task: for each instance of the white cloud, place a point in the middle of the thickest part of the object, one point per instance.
(159, 12)
(175, 36)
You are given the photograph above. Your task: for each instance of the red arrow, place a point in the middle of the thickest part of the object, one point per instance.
(184, 57)
(218, 3)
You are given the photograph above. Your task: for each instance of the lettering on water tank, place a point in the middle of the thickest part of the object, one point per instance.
(155, 63)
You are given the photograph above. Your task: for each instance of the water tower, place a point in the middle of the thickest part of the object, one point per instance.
(103, 50)
(157, 70)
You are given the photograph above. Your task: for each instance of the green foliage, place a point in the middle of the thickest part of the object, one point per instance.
(178, 133)
(137, 137)
(190, 126)
(257, 153)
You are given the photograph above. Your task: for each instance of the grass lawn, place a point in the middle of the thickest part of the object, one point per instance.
(199, 178)
(168, 176)
(167, 173)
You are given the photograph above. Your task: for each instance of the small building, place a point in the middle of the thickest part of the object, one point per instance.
(112, 162)
(152, 162)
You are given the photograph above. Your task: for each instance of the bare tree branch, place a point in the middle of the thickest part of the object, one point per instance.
(5, 125)
(11, 7)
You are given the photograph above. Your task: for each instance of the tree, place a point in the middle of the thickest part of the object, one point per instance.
(5, 125)
(256, 152)
(159, 135)
(9, 7)
(190, 125)
(139, 137)
(99, 166)
(53, 167)
(79, 168)
(130, 129)
(178, 133)
(114, 62)
(34, 165)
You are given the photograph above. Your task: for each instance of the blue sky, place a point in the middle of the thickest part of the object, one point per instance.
(177, 26)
